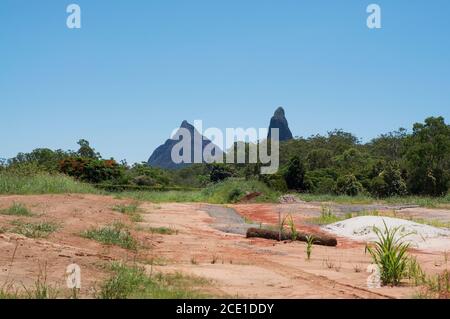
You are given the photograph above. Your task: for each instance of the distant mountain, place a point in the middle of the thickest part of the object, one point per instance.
(279, 121)
(162, 156)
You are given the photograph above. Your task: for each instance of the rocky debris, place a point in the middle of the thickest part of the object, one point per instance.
(289, 199)
(162, 156)
(250, 196)
(279, 121)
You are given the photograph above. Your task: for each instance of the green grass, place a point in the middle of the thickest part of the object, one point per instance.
(228, 191)
(34, 230)
(16, 209)
(423, 201)
(42, 183)
(326, 217)
(162, 197)
(115, 234)
(160, 230)
(131, 282)
(8, 291)
(131, 210)
(126, 209)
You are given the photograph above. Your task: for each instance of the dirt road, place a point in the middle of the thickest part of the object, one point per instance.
(208, 242)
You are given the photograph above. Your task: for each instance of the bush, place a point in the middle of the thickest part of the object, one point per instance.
(295, 174)
(234, 195)
(91, 170)
(275, 182)
(389, 183)
(348, 185)
(321, 181)
(219, 172)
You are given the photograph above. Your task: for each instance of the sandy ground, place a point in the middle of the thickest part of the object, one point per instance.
(209, 243)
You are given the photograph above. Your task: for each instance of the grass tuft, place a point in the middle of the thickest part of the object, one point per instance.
(389, 253)
(115, 234)
(17, 209)
(34, 230)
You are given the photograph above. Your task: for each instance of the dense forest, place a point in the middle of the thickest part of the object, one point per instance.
(415, 162)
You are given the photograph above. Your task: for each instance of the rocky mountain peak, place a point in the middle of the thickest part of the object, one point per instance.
(279, 121)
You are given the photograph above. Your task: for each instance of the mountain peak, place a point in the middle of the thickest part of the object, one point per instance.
(185, 124)
(279, 121)
(279, 112)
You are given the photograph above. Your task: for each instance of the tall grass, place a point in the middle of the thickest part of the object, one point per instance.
(228, 191)
(41, 183)
(326, 217)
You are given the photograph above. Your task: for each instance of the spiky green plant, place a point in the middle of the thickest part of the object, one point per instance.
(309, 246)
(292, 227)
(389, 252)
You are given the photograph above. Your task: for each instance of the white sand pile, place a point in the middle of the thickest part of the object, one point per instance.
(421, 236)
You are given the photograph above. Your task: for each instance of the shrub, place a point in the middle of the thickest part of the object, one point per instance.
(295, 174)
(389, 183)
(91, 170)
(348, 185)
(219, 172)
(234, 195)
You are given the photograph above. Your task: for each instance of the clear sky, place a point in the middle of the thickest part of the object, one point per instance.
(137, 68)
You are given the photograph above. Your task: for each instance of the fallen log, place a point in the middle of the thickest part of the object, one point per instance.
(319, 239)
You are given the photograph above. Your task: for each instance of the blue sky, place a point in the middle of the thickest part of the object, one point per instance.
(138, 68)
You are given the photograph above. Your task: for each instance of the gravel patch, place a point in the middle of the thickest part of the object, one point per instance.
(419, 236)
(227, 219)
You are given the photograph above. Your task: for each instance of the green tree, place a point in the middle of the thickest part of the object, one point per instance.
(219, 172)
(86, 151)
(295, 174)
(428, 157)
(389, 182)
(348, 185)
(319, 158)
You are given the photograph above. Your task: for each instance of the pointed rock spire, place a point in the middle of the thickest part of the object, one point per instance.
(279, 121)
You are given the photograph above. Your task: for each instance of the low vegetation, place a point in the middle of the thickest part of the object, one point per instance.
(132, 210)
(41, 183)
(309, 246)
(116, 234)
(34, 230)
(160, 230)
(17, 209)
(132, 282)
(227, 191)
(326, 217)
